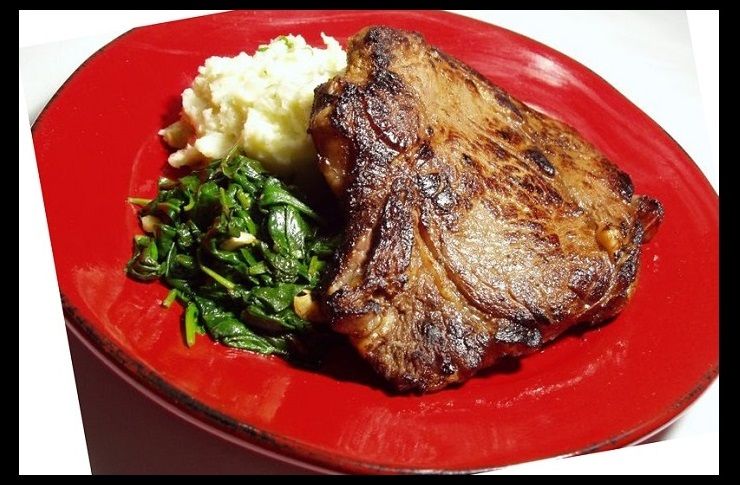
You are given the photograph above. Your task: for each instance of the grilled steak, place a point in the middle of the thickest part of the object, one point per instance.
(476, 227)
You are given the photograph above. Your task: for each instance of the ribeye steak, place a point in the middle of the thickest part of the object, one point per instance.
(475, 226)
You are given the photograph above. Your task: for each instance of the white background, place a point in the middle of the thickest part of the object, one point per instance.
(645, 55)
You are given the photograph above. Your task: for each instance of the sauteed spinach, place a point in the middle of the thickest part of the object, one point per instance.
(239, 251)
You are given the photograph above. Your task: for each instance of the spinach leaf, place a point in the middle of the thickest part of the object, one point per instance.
(277, 298)
(144, 265)
(285, 320)
(284, 268)
(287, 230)
(207, 205)
(225, 327)
(274, 192)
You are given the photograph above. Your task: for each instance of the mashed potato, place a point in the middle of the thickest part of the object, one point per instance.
(261, 102)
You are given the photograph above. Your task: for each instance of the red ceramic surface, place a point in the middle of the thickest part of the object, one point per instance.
(97, 143)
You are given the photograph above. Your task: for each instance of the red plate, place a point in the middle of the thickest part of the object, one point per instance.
(97, 143)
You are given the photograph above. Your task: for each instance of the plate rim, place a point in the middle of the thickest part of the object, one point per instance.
(157, 389)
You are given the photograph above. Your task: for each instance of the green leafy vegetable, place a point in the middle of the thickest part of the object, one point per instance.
(235, 246)
(274, 193)
(144, 265)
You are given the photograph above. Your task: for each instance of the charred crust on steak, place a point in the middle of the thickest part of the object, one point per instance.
(650, 212)
(539, 159)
